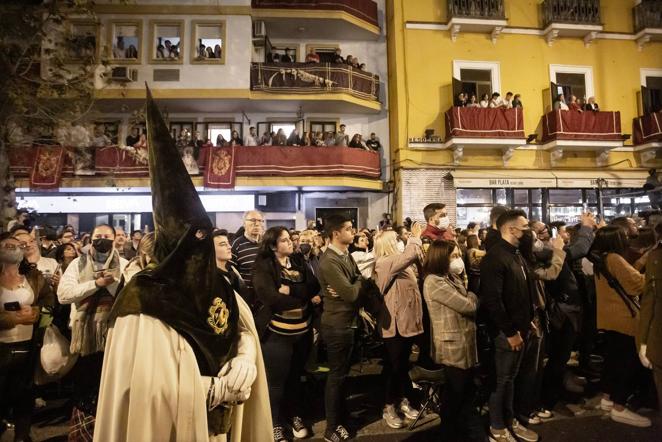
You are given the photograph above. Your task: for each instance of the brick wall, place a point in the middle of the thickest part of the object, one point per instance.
(424, 186)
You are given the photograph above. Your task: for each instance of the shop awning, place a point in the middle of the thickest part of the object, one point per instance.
(468, 178)
(589, 178)
(503, 178)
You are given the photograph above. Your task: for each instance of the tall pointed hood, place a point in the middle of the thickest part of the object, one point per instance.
(175, 202)
(183, 288)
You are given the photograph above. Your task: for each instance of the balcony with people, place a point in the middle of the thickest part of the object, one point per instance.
(220, 159)
(646, 132)
(353, 19)
(571, 18)
(483, 16)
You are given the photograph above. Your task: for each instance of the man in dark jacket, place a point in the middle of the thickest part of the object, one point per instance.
(565, 311)
(507, 295)
(493, 235)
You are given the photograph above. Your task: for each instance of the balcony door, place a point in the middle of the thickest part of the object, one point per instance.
(572, 80)
(571, 84)
(476, 81)
(652, 94)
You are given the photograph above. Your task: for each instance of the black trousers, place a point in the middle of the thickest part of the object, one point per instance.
(16, 387)
(339, 347)
(284, 360)
(528, 382)
(621, 366)
(460, 420)
(396, 368)
(560, 344)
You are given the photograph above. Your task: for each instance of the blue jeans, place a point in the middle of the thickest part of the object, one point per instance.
(507, 363)
(339, 345)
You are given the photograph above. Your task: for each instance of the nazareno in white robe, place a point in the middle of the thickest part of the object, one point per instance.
(151, 387)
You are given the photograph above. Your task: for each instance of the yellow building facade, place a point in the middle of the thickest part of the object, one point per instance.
(428, 47)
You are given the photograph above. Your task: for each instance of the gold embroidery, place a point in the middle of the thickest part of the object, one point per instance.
(218, 316)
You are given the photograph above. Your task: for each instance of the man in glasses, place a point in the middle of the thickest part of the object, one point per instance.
(244, 251)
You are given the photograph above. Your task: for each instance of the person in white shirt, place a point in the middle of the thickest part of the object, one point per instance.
(508, 102)
(495, 101)
(251, 138)
(484, 101)
(47, 266)
(560, 103)
(365, 259)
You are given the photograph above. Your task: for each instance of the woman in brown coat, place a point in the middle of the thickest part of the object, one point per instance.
(619, 317)
(401, 320)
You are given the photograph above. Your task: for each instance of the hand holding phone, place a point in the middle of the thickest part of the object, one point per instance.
(555, 232)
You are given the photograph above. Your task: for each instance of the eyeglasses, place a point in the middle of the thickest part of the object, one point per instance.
(285, 240)
(254, 220)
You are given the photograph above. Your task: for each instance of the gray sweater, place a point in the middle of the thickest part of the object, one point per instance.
(341, 273)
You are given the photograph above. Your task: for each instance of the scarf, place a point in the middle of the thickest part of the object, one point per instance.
(90, 323)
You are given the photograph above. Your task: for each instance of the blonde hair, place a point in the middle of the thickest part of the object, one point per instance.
(145, 248)
(386, 244)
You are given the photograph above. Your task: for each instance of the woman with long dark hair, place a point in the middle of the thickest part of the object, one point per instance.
(453, 330)
(617, 286)
(285, 285)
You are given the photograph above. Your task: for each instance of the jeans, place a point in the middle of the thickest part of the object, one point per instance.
(396, 368)
(284, 360)
(560, 343)
(459, 416)
(339, 346)
(16, 388)
(507, 364)
(529, 379)
(621, 366)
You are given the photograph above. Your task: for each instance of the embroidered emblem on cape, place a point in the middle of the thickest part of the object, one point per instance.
(218, 316)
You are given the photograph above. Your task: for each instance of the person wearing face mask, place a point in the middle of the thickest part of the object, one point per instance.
(438, 223)
(23, 291)
(453, 327)
(401, 319)
(507, 294)
(90, 285)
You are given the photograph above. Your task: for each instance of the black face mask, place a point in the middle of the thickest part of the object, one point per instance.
(102, 245)
(305, 248)
(526, 244)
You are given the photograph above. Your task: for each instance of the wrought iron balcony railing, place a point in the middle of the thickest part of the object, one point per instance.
(484, 9)
(582, 12)
(648, 14)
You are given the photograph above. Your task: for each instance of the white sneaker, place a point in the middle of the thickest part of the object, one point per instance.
(629, 417)
(392, 418)
(409, 411)
(606, 404)
(501, 435)
(524, 433)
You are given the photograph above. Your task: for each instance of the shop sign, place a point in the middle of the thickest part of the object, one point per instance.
(504, 182)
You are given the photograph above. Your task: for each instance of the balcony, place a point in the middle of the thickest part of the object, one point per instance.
(647, 137)
(480, 16)
(316, 82)
(319, 19)
(571, 18)
(52, 166)
(648, 21)
(570, 130)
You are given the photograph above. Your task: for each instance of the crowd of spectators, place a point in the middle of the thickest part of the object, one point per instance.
(575, 104)
(289, 56)
(535, 310)
(494, 102)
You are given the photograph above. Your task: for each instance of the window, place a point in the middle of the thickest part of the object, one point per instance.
(476, 74)
(565, 196)
(219, 133)
(476, 81)
(274, 126)
(176, 129)
(287, 52)
(572, 80)
(82, 41)
(126, 41)
(654, 87)
(322, 126)
(208, 42)
(166, 43)
(325, 52)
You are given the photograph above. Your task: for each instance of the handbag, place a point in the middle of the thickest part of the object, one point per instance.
(55, 358)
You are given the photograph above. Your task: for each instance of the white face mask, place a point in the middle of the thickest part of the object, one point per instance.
(443, 222)
(456, 266)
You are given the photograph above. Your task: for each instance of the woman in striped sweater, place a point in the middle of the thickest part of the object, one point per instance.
(285, 285)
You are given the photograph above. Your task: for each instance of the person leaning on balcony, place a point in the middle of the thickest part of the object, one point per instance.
(461, 100)
(337, 58)
(373, 143)
(356, 141)
(495, 101)
(319, 139)
(251, 138)
(286, 57)
(591, 105)
(312, 57)
(342, 139)
(472, 101)
(266, 139)
(559, 103)
(294, 139)
(517, 101)
(280, 139)
(235, 139)
(484, 100)
(574, 105)
(508, 102)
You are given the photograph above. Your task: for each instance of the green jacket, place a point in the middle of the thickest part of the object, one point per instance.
(650, 319)
(343, 276)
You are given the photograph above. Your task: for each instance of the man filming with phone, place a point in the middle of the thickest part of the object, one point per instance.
(90, 285)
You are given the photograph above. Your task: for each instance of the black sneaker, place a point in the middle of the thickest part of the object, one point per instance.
(338, 435)
(279, 434)
(299, 429)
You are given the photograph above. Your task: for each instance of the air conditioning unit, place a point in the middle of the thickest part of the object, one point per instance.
(259, 29)
(123, 74)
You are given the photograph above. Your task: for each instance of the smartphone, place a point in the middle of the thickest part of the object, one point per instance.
(555, 232)
(12, 306)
